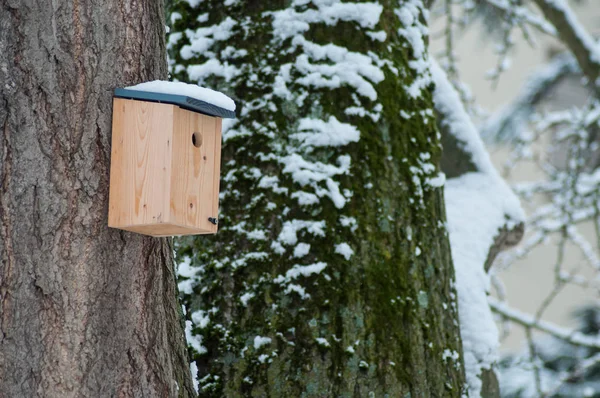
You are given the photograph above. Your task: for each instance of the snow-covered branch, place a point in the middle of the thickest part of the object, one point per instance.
(524, 15)
(552, 131)
(570, 336)
(574, 36)
(479, 206)
(508, 123)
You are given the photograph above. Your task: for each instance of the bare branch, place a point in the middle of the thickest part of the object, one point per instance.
(509, 235)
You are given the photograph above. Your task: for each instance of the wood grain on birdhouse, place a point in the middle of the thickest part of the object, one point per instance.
(164, 177)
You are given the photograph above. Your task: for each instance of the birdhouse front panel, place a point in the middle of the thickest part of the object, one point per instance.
(141, 164)
(195, 180)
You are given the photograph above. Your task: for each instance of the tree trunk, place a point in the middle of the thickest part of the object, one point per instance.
(85, 311)
(331, 275)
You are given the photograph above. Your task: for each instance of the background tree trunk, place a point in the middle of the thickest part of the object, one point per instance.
(85, 311)
(322, 281)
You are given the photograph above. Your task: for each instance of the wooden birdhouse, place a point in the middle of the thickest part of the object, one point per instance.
(166, 158)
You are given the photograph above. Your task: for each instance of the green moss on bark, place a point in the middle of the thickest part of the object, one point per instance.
(376, 324)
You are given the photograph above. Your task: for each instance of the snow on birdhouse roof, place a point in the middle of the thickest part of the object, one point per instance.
(188, 96)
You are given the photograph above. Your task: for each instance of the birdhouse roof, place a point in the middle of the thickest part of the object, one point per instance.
(187, 96)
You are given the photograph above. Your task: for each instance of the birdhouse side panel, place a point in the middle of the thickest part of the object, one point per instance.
(217, 167)
(141, 163)
(193, 190)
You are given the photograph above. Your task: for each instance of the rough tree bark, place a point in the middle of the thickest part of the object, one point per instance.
(85, 311)
(331, 273)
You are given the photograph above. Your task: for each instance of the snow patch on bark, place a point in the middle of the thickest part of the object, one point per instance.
(260, 341)
(416, 32)
(317, 133)
(289, 22)
(194, 372)
(345, 250)
(195, 341)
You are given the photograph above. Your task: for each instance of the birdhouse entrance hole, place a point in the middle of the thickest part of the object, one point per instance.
(197, 139)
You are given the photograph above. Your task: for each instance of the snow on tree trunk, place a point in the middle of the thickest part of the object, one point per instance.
(85, 311)
(331, 273)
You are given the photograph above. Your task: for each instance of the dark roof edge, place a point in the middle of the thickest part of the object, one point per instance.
(182, 101)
